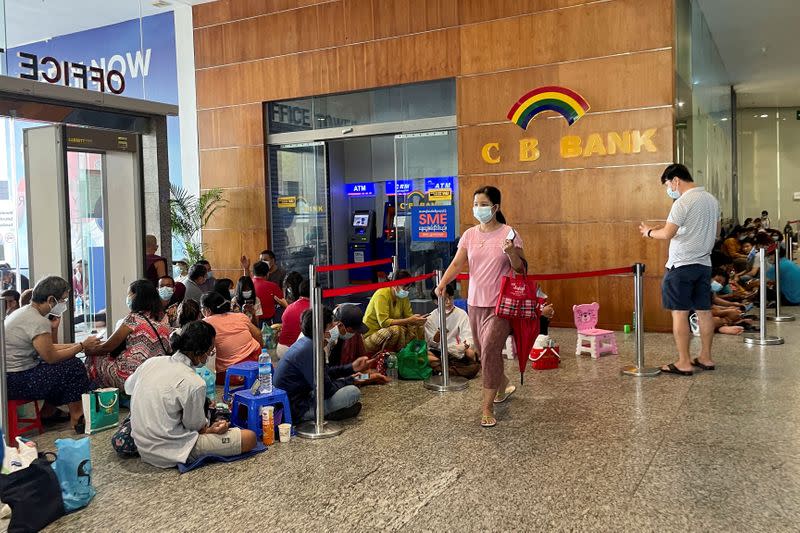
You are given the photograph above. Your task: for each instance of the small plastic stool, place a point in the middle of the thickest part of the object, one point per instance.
(15, 429)
(247, 369)
(246, 411)
(461, 303)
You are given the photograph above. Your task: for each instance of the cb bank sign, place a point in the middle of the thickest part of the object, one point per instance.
(571, 106)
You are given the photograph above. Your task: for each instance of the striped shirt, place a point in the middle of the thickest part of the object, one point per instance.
(696, 213)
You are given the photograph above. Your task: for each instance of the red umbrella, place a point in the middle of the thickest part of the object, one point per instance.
(524, 331)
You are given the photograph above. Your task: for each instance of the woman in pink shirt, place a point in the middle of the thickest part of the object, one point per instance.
(237, 338)
(491, 250)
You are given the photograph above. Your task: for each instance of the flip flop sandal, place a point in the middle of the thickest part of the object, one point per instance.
(672, 369)
(488, 421)
(510, 389)
(696, 362)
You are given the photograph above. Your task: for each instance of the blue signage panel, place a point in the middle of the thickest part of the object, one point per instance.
(442, 182)
(359, 189)
(403, 187)
(433, 223)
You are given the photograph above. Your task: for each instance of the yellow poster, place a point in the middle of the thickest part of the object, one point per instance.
(440, 195)
(287, 202)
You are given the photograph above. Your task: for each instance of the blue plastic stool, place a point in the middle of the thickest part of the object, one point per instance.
(461, 303)
(247, 369)
(246, 411)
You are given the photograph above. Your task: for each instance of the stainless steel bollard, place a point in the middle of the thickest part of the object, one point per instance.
(639, 370)
(3, 389)
(318, 428)
(779, 317)
(444, 383)
(761, 338)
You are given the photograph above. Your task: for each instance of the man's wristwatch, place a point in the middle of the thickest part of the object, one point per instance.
(648, 233)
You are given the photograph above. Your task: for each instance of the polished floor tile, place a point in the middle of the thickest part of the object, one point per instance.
(581, 448)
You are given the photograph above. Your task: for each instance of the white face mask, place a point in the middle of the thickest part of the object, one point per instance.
(59, 309)
(166, 292)
(129, 301)
(334, 331)
(247, 294)
(483, 213)
(402, 293)
(347, 336)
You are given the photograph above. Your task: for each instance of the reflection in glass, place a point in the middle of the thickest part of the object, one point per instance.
(87, 229)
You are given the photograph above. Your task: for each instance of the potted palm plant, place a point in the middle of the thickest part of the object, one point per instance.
(189, 214)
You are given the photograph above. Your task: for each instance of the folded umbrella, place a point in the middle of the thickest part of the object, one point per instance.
(524, 331)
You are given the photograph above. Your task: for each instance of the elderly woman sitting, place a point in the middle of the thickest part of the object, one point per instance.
(37, 368)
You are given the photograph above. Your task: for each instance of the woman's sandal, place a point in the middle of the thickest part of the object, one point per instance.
(510, 389)
(488, 421)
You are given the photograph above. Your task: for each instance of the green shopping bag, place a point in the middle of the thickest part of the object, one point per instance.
(101, 409)
(412, 361)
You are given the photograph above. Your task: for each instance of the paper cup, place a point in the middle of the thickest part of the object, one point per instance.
(285, 432)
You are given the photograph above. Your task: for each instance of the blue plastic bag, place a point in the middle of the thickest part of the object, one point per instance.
(74, 471)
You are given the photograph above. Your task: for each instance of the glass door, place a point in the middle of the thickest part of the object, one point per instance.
(299, 190)
(85, 192)
(425, 187)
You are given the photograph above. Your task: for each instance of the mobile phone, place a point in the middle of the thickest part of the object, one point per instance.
(511, 235)
(363, 377)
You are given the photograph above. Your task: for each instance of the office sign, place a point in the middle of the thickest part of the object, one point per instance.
(359, 189)
(433, 223)
(67, 73)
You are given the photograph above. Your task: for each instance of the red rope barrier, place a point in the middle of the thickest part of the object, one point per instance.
(569, 275)
(354, 289)
(349, 266)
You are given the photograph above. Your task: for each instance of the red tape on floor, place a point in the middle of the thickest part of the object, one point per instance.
(354, 289)
(350, 266)
(569, 275)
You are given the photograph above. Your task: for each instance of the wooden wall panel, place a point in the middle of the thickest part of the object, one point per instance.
(223, 11)
(549, 131)
(230, 127)
(472, 11)
(592, 30)
(629, 82)
(240, 166)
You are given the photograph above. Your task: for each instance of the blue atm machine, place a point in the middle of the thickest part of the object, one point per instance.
(361, 247)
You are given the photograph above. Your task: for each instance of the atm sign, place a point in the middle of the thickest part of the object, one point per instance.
(360, 189)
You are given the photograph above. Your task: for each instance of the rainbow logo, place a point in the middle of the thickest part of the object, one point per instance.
(563, 101)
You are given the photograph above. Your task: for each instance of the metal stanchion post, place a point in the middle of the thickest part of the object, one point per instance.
(318, 428)
(790, 248)
(444, 383)
(3, 390)
(761, 338)
(778, 316)
(639, 369)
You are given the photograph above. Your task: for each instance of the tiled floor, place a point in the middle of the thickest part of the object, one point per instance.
(580, 448)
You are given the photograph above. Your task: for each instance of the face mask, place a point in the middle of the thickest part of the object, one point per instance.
(483, 213)
(716, 286)
(247, 294)
(673, 194)
(209, 274)
(402, 293)
(334, 331)
(129, 302)
(166, 292)
(347, 336)
(59, 309)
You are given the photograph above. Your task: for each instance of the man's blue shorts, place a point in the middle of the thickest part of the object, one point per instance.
(687, 288)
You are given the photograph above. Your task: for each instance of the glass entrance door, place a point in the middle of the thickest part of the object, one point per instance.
(426, 165)
(300, 221)
(85, 192)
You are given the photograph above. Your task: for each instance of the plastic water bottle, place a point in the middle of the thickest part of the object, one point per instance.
(264, 372)
(78, 305)
(266, 335)
(211, 382)
(391, 368)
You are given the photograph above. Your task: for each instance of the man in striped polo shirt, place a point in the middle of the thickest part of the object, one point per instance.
(692, 228)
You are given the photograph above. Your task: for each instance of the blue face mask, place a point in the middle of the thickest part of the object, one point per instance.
(483, 213)
(716, 286)
(334, 331)
(673, 194)
(129, 301)
(402, 293)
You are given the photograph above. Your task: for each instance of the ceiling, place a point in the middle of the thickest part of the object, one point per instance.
(757, 40)
(30, 21)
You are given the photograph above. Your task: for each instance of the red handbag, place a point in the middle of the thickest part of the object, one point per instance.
(546, 358)
(517, 298)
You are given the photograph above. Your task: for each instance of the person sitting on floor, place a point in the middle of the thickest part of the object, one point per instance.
(391, 322)
(12, 300)
(225, 288)
(295, 375)
(170, 300)
(245, 300)
(37, 368)
(168, 419)
(790, 279)
(462, 356)
(237, 338)
(347, 342)
(188, 312)
(290, 325)
(143, 334)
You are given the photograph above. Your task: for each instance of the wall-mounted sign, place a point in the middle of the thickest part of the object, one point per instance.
(287, 202)
(440, 195)
(359, 189)
(442, 182)
(563, 101)
(55, 71)
(433, 223)
(403, 187)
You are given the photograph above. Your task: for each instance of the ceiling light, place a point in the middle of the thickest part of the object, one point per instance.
(764, 115)
(724, 119)
(680, 103)
(160, 3)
